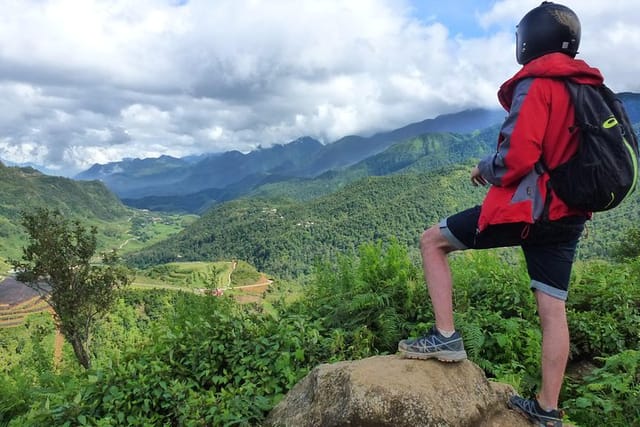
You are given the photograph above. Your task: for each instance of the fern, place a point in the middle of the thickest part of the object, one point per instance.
(473, 338)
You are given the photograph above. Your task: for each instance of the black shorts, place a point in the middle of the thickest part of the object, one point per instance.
(549, 246)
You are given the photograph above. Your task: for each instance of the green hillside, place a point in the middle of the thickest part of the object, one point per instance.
(286, 237)
(25, 188)
(120, 227)
(22, 189)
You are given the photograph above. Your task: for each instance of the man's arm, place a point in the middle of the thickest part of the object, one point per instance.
(520, 140)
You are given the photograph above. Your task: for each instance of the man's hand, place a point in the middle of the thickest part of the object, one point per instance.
(476, 178)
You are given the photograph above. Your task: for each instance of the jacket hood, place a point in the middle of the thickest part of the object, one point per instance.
(553, 65)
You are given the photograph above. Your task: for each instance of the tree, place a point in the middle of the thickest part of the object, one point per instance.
(212, 280)
(57, 262)
(629, 246)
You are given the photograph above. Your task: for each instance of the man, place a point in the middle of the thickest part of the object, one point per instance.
(520, 209)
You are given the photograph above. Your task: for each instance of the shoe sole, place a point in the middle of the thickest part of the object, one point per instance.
(443, 356)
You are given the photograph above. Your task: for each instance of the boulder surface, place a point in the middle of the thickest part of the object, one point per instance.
(391, 391)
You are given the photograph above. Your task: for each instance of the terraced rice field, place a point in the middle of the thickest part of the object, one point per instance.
(14, 315)
(17, 301)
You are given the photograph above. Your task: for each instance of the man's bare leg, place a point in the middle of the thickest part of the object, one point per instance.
(555, 348)
(434, 248)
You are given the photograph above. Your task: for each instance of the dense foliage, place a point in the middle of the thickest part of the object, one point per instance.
(181, 359)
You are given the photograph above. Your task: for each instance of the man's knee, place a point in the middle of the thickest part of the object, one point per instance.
(550, 308)
(432, 238)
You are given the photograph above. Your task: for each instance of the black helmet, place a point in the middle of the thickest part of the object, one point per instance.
(548, 28)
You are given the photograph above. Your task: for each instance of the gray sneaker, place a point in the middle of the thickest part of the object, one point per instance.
(434, 346)
(531, 409)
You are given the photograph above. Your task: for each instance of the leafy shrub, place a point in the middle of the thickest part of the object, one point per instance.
(496, 315)
(604, 309)
(609, 395)
(16, 391)
(27, 356)
(214, 363)
(367, 300)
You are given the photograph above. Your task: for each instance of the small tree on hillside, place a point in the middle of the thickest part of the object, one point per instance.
(212, 280)
(629, 246)
(57, 263)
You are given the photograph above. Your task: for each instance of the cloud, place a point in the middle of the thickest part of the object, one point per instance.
(610, 35)
(96, 81)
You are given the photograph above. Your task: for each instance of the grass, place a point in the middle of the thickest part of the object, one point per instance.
(186, 275)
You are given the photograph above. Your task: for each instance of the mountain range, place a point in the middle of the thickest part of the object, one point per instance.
(221, 176)
(302, 168)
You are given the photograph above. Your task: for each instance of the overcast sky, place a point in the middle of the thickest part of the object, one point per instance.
(92, 81)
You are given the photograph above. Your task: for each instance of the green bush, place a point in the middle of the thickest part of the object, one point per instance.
(495, 312)
(609, 395)
(213, 363)
(604, 309)
(367, 301)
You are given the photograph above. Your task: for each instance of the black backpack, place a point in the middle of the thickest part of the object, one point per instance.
(604, 169)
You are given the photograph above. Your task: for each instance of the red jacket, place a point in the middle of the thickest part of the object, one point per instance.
(540, 115)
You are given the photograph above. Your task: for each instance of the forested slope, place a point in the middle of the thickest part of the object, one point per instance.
(22, 189)
(286, 237)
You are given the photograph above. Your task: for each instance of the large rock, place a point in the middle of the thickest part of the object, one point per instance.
(391, 391)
